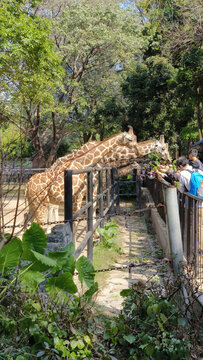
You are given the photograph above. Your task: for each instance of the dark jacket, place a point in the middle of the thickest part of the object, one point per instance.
(196, 164)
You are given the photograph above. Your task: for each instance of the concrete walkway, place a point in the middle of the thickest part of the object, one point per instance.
(140, 247)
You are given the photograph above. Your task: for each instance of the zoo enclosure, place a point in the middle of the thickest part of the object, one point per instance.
(106, 200)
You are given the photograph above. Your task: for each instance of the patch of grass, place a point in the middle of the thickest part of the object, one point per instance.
(103, 258)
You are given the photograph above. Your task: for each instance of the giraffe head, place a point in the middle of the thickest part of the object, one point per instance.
(161, 148)
(129, 138)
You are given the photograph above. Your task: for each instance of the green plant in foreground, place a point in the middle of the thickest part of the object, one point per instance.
(38, 300)
(109, 234)
(150, 328)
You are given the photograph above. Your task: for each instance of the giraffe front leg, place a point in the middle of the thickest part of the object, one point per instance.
(77, 205)
(52, 215)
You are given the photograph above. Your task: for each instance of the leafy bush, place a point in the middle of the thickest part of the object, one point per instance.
(109, 235)
(38, 303)
(150, 328)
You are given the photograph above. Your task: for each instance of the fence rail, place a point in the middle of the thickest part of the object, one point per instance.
(191, 222)
(18, 175)
(106, 199)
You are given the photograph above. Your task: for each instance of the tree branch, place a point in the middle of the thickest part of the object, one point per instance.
(7, 118)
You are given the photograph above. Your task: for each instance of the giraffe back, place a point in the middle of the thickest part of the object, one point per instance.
(65, 160)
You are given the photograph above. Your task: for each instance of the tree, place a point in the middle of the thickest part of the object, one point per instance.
(145, 90)
(164, 91)
(88, 39)
(30, 69)
(178, 24)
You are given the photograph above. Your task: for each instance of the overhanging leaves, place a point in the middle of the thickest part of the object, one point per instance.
(33, 239)
(85, 271)
(62, 282)
(10, 254)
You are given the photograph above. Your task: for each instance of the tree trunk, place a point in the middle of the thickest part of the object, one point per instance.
(189, 144)
(86, 137)
(198, 113)
(52, 153)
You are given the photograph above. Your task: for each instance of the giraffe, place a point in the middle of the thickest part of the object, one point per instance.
(154, 146)
(127, 169)
(115, 158)
(123, 155)
(62, 161)
(48, 187)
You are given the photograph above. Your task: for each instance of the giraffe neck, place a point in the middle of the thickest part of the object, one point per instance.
(119, 155)
(146, 147)
(97, 153)
(65, 160)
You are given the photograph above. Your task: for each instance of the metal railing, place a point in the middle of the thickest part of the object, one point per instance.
(106, 198)
(17, 175)
(191, 222)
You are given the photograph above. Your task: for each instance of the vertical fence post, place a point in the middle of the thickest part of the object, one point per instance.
(68, 198)
(90, 216)
(101, 198)
(108, 192)
(174, 230)
(117, 193)
(138, 192)
(112, 190)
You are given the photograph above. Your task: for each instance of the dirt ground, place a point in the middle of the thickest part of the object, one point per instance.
(13, 214)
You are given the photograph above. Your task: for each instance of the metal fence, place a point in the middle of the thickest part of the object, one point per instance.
(97, 207)
(156, 188)
(191, 221)
(106, 198)
(17, 175)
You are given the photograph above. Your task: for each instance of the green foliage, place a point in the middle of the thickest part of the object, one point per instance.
(164, 90)
(150, 327)
(32, 251)
(109, 235)
(155, 160)
(28, 60)
(14, 143)
(58, 87)
(35, 288)
(145, 89)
